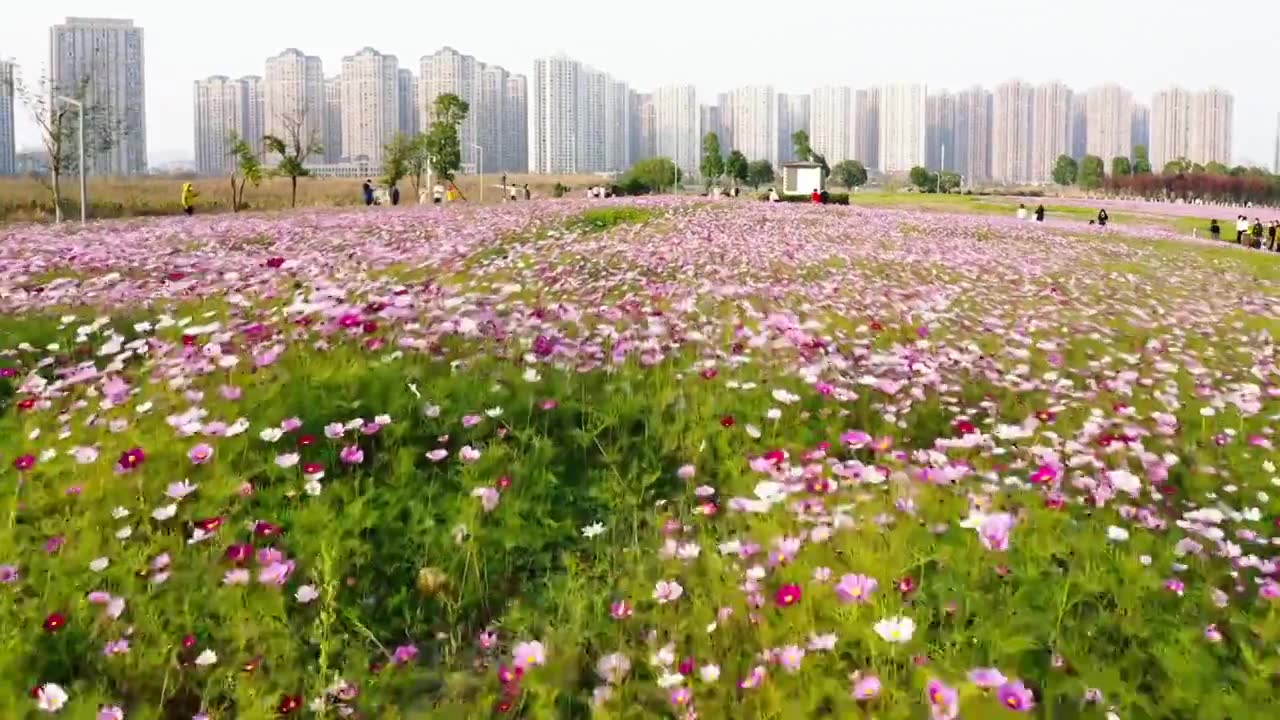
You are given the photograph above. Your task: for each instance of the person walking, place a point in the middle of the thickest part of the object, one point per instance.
(527, 195)
(1215, 230)
(1242, 227)
(189, 196)
(1271, 235)
(1022, 211)
(437, 194)
(1257, 234)
(814, 197)
(773, 195)
(1103, 217)
(367, 190)
(395, 194)
(1040, 214)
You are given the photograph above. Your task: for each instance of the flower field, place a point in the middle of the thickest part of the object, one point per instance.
(639, 460)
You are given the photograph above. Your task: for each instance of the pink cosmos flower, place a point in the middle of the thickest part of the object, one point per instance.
(200, 454)
(866, 687)
(8, 574)
(944, 701)
(488, 497)
(1015, 696)
(276, 573)
(116, 647)
(110, 712)
(487, 639)
(790, 658)
(620, 610)
(470, 421)
(528, 654)
(404, 654)
(855, 439)
(333, 431)
(290, 424)
(468, 454)
(1269, 590)
(856, 588)
(681, 697)
(987, 678)
(1212, 634)
(753, 678)
(686, 472)
(994, 531)
(437, 455)
(787, 595)
(180, 489)
(666, 591)
(351, 455)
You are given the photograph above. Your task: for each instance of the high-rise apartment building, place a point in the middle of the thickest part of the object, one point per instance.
(831, 123)
(939, 130)
(100, 62)
(866, 123)
(1079, 125)
(676, 107)
(973, 135)
(793, 116)
(553, 115)
(515, 124)
(294, 94)
(489, 129)
(1050, 128)
(331, 127)
(902, 127)
(485, 89)
(7, 149)
(370, 88)
(1109, 131)
(1012, 105)
(1276, 162)
(410, 113)
(755, 122)
(591, 119)
(644, 133)
(1210, 118)
(1141, 133)
(220, 113)
(711, 120)
(617, 126)
(1170, 111)
(255, 112)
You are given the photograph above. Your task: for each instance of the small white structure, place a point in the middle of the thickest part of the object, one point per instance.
(802, 178)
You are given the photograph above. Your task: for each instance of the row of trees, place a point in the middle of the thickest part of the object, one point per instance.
(1178, 179)
(438, 150)
(739, 170)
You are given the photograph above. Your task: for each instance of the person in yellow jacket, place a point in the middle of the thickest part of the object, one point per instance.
(189, 196)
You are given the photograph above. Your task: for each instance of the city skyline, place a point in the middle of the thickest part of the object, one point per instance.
(170, 132)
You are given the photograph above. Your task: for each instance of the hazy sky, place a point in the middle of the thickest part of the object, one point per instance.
(1143, 44)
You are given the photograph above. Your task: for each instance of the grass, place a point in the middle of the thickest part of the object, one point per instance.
(519, 431)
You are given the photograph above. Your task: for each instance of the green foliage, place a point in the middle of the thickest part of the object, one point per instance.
(800, 143)
(947, 181)
(1091, 173)
(832, 198)
(398, 158)
(441, 144)
(1121, 166)
(712, 166)
(759, 172)
(850, 173)
(247, 167)
(1216, 168)
(1141, 160)
(656, 173)
(737, 167)
(1065, 170)
(1178, 167)
(924, 180)
(293, 150)
(601, 219)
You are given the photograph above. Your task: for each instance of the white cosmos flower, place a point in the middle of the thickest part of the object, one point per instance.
(119, 513)
(164, 512)
(306, 594)
(896, 629)
(670, 680)
(271, 434)
(753, 431)
(124, 533)
(50, 697)
(206, 658)
(1117, 534)
(99, 564)
(313, 488)
(592, 530)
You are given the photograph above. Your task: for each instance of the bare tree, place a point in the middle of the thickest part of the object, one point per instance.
(57, 122)
(293, 150)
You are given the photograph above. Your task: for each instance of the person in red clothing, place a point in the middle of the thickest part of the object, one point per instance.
(816, 197)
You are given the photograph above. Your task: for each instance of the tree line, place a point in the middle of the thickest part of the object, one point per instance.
(1179, 179)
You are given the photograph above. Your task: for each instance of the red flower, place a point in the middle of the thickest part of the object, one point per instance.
(239, 553)
(709, 374)
(252, 664)
(1054, 501)
(312, 468)
(306, 440)
(131, 459)
(686, 667)
(7, 372)
(964, 427)
(275, 262)
(188, 340)
(188, 641)
(726, 421)
(504, 482)
(54, 622)
(787, 595)
(174, 276)
(289, 704)
(907, 585)
(24, 462)
(26, 403)
(369, 327)
(209, 524)
(503, 706)
(1045, 415)
(876, 326)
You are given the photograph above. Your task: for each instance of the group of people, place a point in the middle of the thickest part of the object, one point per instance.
(717, 191)
(371, 197)
(1100, 220)
(1250, 235)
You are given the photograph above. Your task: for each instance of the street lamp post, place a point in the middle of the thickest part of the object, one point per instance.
(83, 194)
(480, 169)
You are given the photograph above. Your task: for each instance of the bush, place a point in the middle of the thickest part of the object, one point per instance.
(560, 190)
(631, 185)
(832, 198)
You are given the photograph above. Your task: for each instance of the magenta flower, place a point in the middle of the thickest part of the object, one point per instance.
(8, 574)
(116, 647)
(1015, 696)
(290, 424)
(24, 462)
(620, 610)
(1212, 634)
(944, 701)
(200, 454)
(1269, 590)
(110, 712)
(681, 696)
(856, 588)
(787, 595)
(351, 455)
(404, 654)
(487, 639)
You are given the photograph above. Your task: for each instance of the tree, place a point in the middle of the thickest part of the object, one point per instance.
(712, 166)
(59, 127)
(1065, 170)
(247, 167)
(1177, 167)
(655, 172)
(924, 180)
(947, 181)
(850, 173)
(397, 156)
(800, 141)
(737, 167)
(759, 173)
(1216, 168)
(1141, 160)
(1121, 166)
(293, 150)
(443, 148)
(1092, 172)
